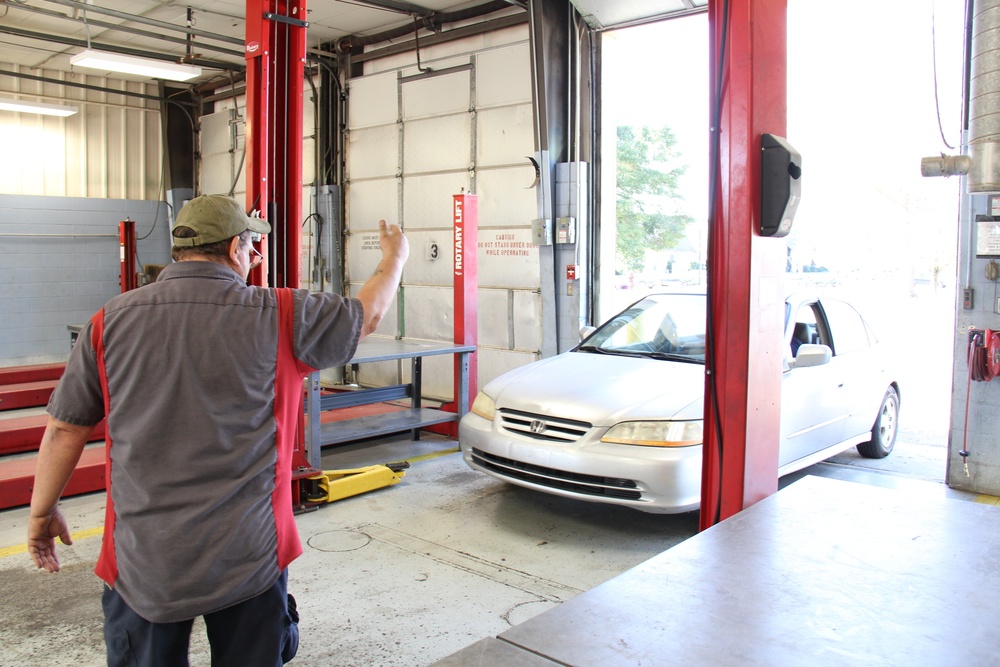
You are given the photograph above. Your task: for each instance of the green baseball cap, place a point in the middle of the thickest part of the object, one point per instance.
(215, 218)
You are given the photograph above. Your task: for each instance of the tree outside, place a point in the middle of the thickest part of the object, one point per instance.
(648, 199)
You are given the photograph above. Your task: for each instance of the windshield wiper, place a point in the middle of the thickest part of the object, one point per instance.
(594, 349)
(667, 356)
(612, 351)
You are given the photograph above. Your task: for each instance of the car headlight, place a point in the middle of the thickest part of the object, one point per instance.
(656, 434)
(483, 406)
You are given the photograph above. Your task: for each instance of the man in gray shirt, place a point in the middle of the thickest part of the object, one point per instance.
(199, 377)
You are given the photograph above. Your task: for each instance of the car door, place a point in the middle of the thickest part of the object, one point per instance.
(814, 403)
(861, 366)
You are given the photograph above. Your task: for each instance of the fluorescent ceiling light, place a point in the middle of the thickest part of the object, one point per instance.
(36, 107)
(116, 62)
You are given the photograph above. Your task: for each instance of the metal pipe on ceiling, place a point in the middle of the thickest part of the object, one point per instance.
(86, 86)
(441, 37)
(122, 28)
(69, 41)
(432, 21)
(398, 7)
(211, 86)
(84, 7)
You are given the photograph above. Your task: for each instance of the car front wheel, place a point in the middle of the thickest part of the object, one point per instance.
(884, 430)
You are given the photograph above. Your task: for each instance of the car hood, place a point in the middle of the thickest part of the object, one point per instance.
(603, 389)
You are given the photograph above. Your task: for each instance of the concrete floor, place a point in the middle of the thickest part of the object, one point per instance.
(405, 575)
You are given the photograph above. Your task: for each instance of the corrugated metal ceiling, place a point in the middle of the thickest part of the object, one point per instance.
(44, 34)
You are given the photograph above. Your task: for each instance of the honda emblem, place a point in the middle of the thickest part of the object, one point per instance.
(537, 426)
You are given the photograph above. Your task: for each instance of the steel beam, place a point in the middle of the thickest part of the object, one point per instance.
(135, 18)
(126, 241)
(275, 55)
(746, 305)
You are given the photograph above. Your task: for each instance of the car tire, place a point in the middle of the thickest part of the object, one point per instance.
(884, 430)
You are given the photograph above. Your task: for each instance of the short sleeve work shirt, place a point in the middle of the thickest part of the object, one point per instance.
(200, 377)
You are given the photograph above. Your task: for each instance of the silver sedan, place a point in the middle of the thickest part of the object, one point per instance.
(618, 419)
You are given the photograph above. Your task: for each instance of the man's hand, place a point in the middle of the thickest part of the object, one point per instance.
(395, 246)
(60, 450)
(42, 534)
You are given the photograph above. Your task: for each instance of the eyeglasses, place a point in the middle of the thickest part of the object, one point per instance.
(255, 257)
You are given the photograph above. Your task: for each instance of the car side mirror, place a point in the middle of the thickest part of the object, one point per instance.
(586, 331)
(812, 355)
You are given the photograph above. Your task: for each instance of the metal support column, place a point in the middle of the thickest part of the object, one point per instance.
(126, 242)
(465, 217)
(275, 54)
(746, 304)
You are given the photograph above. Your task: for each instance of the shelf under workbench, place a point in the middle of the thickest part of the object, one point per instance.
(320, 433)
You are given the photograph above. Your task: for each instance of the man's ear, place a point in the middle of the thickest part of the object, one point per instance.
(234, 247)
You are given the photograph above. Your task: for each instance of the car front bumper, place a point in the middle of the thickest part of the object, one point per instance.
(651, 479)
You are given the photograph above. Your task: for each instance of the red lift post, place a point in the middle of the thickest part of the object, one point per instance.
(465, 301)
(275, 55)
(465, 216)
(126, 244)
(746, 305)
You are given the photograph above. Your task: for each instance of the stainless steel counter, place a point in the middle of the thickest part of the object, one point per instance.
(823, 572)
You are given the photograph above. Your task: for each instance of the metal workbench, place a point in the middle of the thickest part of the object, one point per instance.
(374, 349)
(823, 572)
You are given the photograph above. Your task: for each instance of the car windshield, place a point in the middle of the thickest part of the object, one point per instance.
(667, 326)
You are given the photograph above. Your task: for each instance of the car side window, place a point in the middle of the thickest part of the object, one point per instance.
(805, 330)
(848, 330)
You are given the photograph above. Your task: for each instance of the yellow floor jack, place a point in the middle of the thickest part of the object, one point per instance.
(331, 485)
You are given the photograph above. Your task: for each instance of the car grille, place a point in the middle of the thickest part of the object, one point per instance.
(542, 427)
(591, 485)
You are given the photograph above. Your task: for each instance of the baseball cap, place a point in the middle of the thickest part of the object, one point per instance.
(215, 218)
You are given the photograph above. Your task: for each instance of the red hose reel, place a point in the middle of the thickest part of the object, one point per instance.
(984, 354)
(984, 365)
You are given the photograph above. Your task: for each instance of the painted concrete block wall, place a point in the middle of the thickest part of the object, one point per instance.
(980, 434)
(59, 264)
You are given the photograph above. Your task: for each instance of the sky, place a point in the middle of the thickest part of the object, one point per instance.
(861, 112)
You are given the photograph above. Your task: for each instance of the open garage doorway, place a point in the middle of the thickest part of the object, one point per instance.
(654, 112)
(866, 100)
(870, 229)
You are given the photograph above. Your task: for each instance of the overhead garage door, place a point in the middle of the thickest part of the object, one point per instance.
(415, 139)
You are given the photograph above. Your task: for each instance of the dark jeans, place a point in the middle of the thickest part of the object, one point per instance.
(261, 631)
